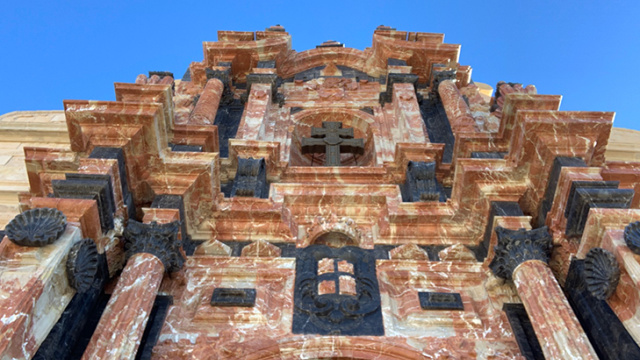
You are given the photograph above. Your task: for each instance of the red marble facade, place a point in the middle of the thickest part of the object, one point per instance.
(360, 200)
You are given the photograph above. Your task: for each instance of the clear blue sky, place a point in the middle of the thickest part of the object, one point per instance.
(586, 51)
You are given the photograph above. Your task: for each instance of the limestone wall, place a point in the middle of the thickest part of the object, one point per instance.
(19, 129)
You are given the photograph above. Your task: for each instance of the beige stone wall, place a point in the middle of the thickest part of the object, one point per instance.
(49, 129)
(17, 130)
(624, 145)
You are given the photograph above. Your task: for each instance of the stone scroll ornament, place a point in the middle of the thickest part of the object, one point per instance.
(82, 265)
(156, 239)
(632, 237)
(517, 246)
(601, 273)
(36, 227)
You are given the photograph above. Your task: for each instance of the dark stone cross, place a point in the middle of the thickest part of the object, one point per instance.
(333, 140)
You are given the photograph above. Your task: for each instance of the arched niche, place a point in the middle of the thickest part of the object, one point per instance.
(350, 118)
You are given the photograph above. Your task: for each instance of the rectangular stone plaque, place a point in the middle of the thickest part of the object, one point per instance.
(233, 297)
(440, 301)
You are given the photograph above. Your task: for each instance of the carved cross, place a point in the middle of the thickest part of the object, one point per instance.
(333, 140)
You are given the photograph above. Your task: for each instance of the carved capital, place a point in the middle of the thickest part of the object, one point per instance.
(517, 246)
(160, 240)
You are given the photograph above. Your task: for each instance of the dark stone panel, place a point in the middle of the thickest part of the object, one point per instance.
(396, 78)
(233, 297)
(185, 148)
(421, 183)
(437, 123)
(154, 326)
(187, 75)
(288, 249)
(227, 120)
(89, 186)
(381, 252)
(523, 331)
(251, 179)
(433, 250)
(488, 155)
(558, 163)
(575, 185)
(118, 154)
(498, 208)
(440, 301)
(236, 246)
(368, 110)
(70, 335)
(584, 197)
(226, 188)
(607, 334)
(337, 314)
(267, 64)
(223, 75)
(270, 79)
(167, 201)
(396, 62)
(161, 74)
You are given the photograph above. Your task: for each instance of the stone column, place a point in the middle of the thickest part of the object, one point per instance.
(204, 113)
(120, 330)
(456, 108)
(522, 255)
(151, 249)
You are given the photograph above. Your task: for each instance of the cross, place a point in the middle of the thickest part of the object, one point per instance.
(333, 140)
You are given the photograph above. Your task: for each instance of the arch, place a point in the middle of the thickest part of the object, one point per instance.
(350, 118)
(332, 229)
(305, 60)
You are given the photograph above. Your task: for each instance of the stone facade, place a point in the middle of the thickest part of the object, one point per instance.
(329, 203)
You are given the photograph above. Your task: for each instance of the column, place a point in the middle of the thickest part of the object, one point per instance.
(456, 108)
(151, 249)
(204, 113)
(522, 255)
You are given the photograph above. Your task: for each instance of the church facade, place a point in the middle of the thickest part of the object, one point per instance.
(332, 203)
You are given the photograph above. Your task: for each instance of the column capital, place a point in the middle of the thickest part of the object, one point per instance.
(160, 240)
(517, 246)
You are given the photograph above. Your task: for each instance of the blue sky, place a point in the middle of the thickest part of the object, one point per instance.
(586, 51)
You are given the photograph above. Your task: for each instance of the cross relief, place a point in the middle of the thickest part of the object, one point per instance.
(333, 140)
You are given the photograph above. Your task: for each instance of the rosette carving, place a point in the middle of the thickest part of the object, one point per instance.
(82, 265)
(601, 273)
(632, 236)
(36, 227)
